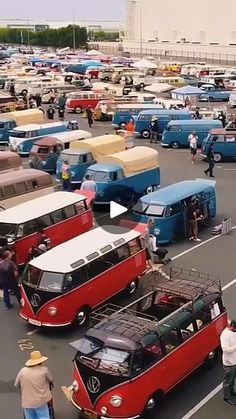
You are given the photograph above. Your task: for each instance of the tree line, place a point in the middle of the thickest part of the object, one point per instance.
(61, 37)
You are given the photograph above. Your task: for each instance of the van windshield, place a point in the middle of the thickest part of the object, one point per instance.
(18, 134)
(98, 176)
(7, 229)
(73, 159)
(110, 360)
(46, 281)
(140, 207)
(155, 210)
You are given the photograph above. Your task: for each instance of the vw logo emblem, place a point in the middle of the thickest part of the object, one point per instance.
(35, 300)
(93, 385)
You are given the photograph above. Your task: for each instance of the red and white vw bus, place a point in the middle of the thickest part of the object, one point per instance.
(132, 356)
(78, 101)
(59, 215)
(61, 286)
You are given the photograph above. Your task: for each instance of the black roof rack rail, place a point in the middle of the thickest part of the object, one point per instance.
(181, 282)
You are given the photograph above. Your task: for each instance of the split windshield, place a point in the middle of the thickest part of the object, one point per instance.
(98, 176)
(150, 210)
(45, 281)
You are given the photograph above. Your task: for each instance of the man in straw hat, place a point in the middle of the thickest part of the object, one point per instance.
(35, 381)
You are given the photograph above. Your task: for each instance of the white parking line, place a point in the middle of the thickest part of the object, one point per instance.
(203, 402)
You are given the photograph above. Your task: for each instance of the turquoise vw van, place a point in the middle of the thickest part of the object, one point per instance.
(79, 161)
(22, 138)
(168, 207)
(125, 112)
(224, 141)
(177, 132)
(6, 125)
(125, 176)
(142, 124)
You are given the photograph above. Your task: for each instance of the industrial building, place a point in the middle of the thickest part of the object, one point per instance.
(188, 21)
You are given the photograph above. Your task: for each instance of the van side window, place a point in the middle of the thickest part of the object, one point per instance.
(96, 267)
(89, 158)
(175, 128)
(80, 207)
(76, 278)
(123, 252)
(30, 227)
(44, 221)
(135, 246)
(57, 216)
(8, 191)
(69, 211)
(202, 313)
(173, 209)
(170, 340)
(229, 139)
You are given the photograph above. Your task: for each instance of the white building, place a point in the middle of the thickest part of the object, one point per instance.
(201, 21)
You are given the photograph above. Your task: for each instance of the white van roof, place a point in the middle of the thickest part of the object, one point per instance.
(32, 127)
(74, 253)
(39, 206)
(67, 136)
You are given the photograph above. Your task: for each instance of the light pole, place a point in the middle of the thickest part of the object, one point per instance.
(73, 29)
(141, 26)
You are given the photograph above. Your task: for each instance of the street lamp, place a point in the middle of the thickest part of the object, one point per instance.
(141, 26)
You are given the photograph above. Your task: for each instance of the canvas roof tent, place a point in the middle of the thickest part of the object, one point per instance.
(185, 91)
(133, 161)
(101, 146)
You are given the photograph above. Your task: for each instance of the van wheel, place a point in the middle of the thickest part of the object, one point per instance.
(123, 125)
(211, 99)
(24, 92)
(106, 78)
(78, 109)
(211, 360)
(132, 287)
(142, 85)
(82, 316)
(151, 404)
(175, 144)
(217, 157)
(151, 189)
(145, 134)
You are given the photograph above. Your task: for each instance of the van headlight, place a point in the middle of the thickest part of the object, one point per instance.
(22, 302)
(72, 174)
(157, 231)
(116, 401)
(52, 311)
(101, 194)
(20, 147)
(75, 385)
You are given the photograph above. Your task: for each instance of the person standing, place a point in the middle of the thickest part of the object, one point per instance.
(103, 112)
(61, 114)
(193, 216)
(50, 112)
(65, 175)
(9, 277)
(89, 114)
(210, 159)
(12, 89)
(222, 118)
(193, 139)
(38, 100)
(35, 382)
(88, 185)
(154, 129)
(146, 242)
(228, 346)
(130, 126)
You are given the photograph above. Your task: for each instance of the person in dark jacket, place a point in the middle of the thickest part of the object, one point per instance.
(210, 159)
(50, 112)
(8, 278)
(154, 129)
(89, 114)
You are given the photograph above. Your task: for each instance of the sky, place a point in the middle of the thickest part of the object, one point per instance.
(63, 10)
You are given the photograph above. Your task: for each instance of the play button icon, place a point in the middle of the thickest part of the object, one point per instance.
(116, 209)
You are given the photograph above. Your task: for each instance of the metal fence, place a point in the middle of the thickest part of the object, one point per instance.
(169, 54)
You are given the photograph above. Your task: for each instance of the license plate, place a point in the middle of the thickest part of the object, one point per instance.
(89, 414)
(34, 322)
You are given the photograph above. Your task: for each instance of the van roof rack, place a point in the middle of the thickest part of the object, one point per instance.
(126, 322)
(181, 282)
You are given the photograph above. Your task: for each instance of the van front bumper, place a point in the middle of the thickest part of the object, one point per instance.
(75, 404)
(165, 145)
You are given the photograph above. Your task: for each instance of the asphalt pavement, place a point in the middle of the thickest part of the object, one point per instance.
(200, 395)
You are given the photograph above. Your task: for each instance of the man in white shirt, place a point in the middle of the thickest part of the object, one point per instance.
(103, 112)
(193, 139)
(88, 185)
(228, 345)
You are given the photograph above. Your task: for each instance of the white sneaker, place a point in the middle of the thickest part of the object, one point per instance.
(191, 238)
(197, 239)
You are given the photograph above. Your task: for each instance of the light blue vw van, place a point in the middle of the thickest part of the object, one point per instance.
(125, 112)
(22, 138)
(79, 161)
(6, 125)
(224, 141)
(177, 132)
(125, 176)
(168, 207)
(142, 124)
